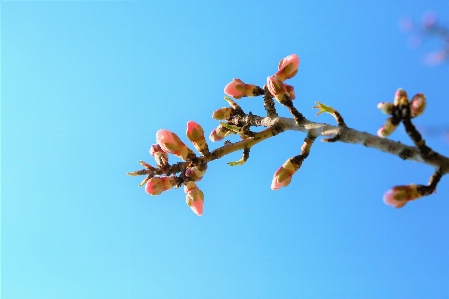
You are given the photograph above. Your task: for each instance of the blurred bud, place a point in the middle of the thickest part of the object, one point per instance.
(222, 113)
(386, 107)
(195, 133)
(194, 198)
(417, 105)
(219, 133)
(288, 67)
(157, 185)
(238, 89)
(283, 176)
(170, 143)
(406, 24)
(436, 58)
(398, 196)
(291, 91)
(277, 88)
(159, 155)
(429, 19)
(387, 128)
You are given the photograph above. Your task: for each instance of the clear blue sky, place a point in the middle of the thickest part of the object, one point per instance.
(86, 85)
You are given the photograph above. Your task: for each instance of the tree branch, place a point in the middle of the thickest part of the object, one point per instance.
(349, 135)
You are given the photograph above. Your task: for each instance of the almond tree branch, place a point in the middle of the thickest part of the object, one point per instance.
(349, 135)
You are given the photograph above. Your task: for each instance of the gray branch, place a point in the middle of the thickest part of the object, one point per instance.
(349, 135)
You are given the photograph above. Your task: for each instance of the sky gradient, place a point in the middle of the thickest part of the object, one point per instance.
(86, 85)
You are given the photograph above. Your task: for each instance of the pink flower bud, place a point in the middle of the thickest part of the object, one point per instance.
(238, 89)
(288, 67)
(219, 133)
(398, 196)
(222, 113)
(171, 143)
(157, 185)
(417, 105)
(194, 198)
(400, 97)
(159, 155)
(386, 107)
(387, 129)
(283, 176)
(194, 173)
(291, 91)
(195, 133)
(277, 88)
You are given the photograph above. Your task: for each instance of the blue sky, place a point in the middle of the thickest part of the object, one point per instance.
(86, 85)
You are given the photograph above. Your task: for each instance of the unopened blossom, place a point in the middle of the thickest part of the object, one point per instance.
(283, 176)
(387, 129)
(157, 185)
(195, 133)
(171, 143)
(277, 88)
(400, 97)
(222, 113)
(195, 173)
(386, 107)
(194, 197)
(291, 91)
(417, 105)
(238, 89)
(219, 133)
(288, 67)
(398, 196)
(159, 155)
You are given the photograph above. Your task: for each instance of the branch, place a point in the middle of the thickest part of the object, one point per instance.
(352, 136)
(235, 121)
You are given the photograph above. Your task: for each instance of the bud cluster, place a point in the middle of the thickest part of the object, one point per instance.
(421, 31)
(287, 69)
(401, 109)
(161, 179)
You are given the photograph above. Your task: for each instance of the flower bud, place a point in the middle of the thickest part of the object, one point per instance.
(283, 176)
(238, 89)
(195, 173)
(398, 196)
(159, 155)
(157, 185)
(170, 143)
(194, 197)
(288, 67)
(400, 97)
(417, 105)
(219, 133)
(386, 107)
(387, 128)
(222, 113)
(195, 133)
(277, 88)
(291, 91)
